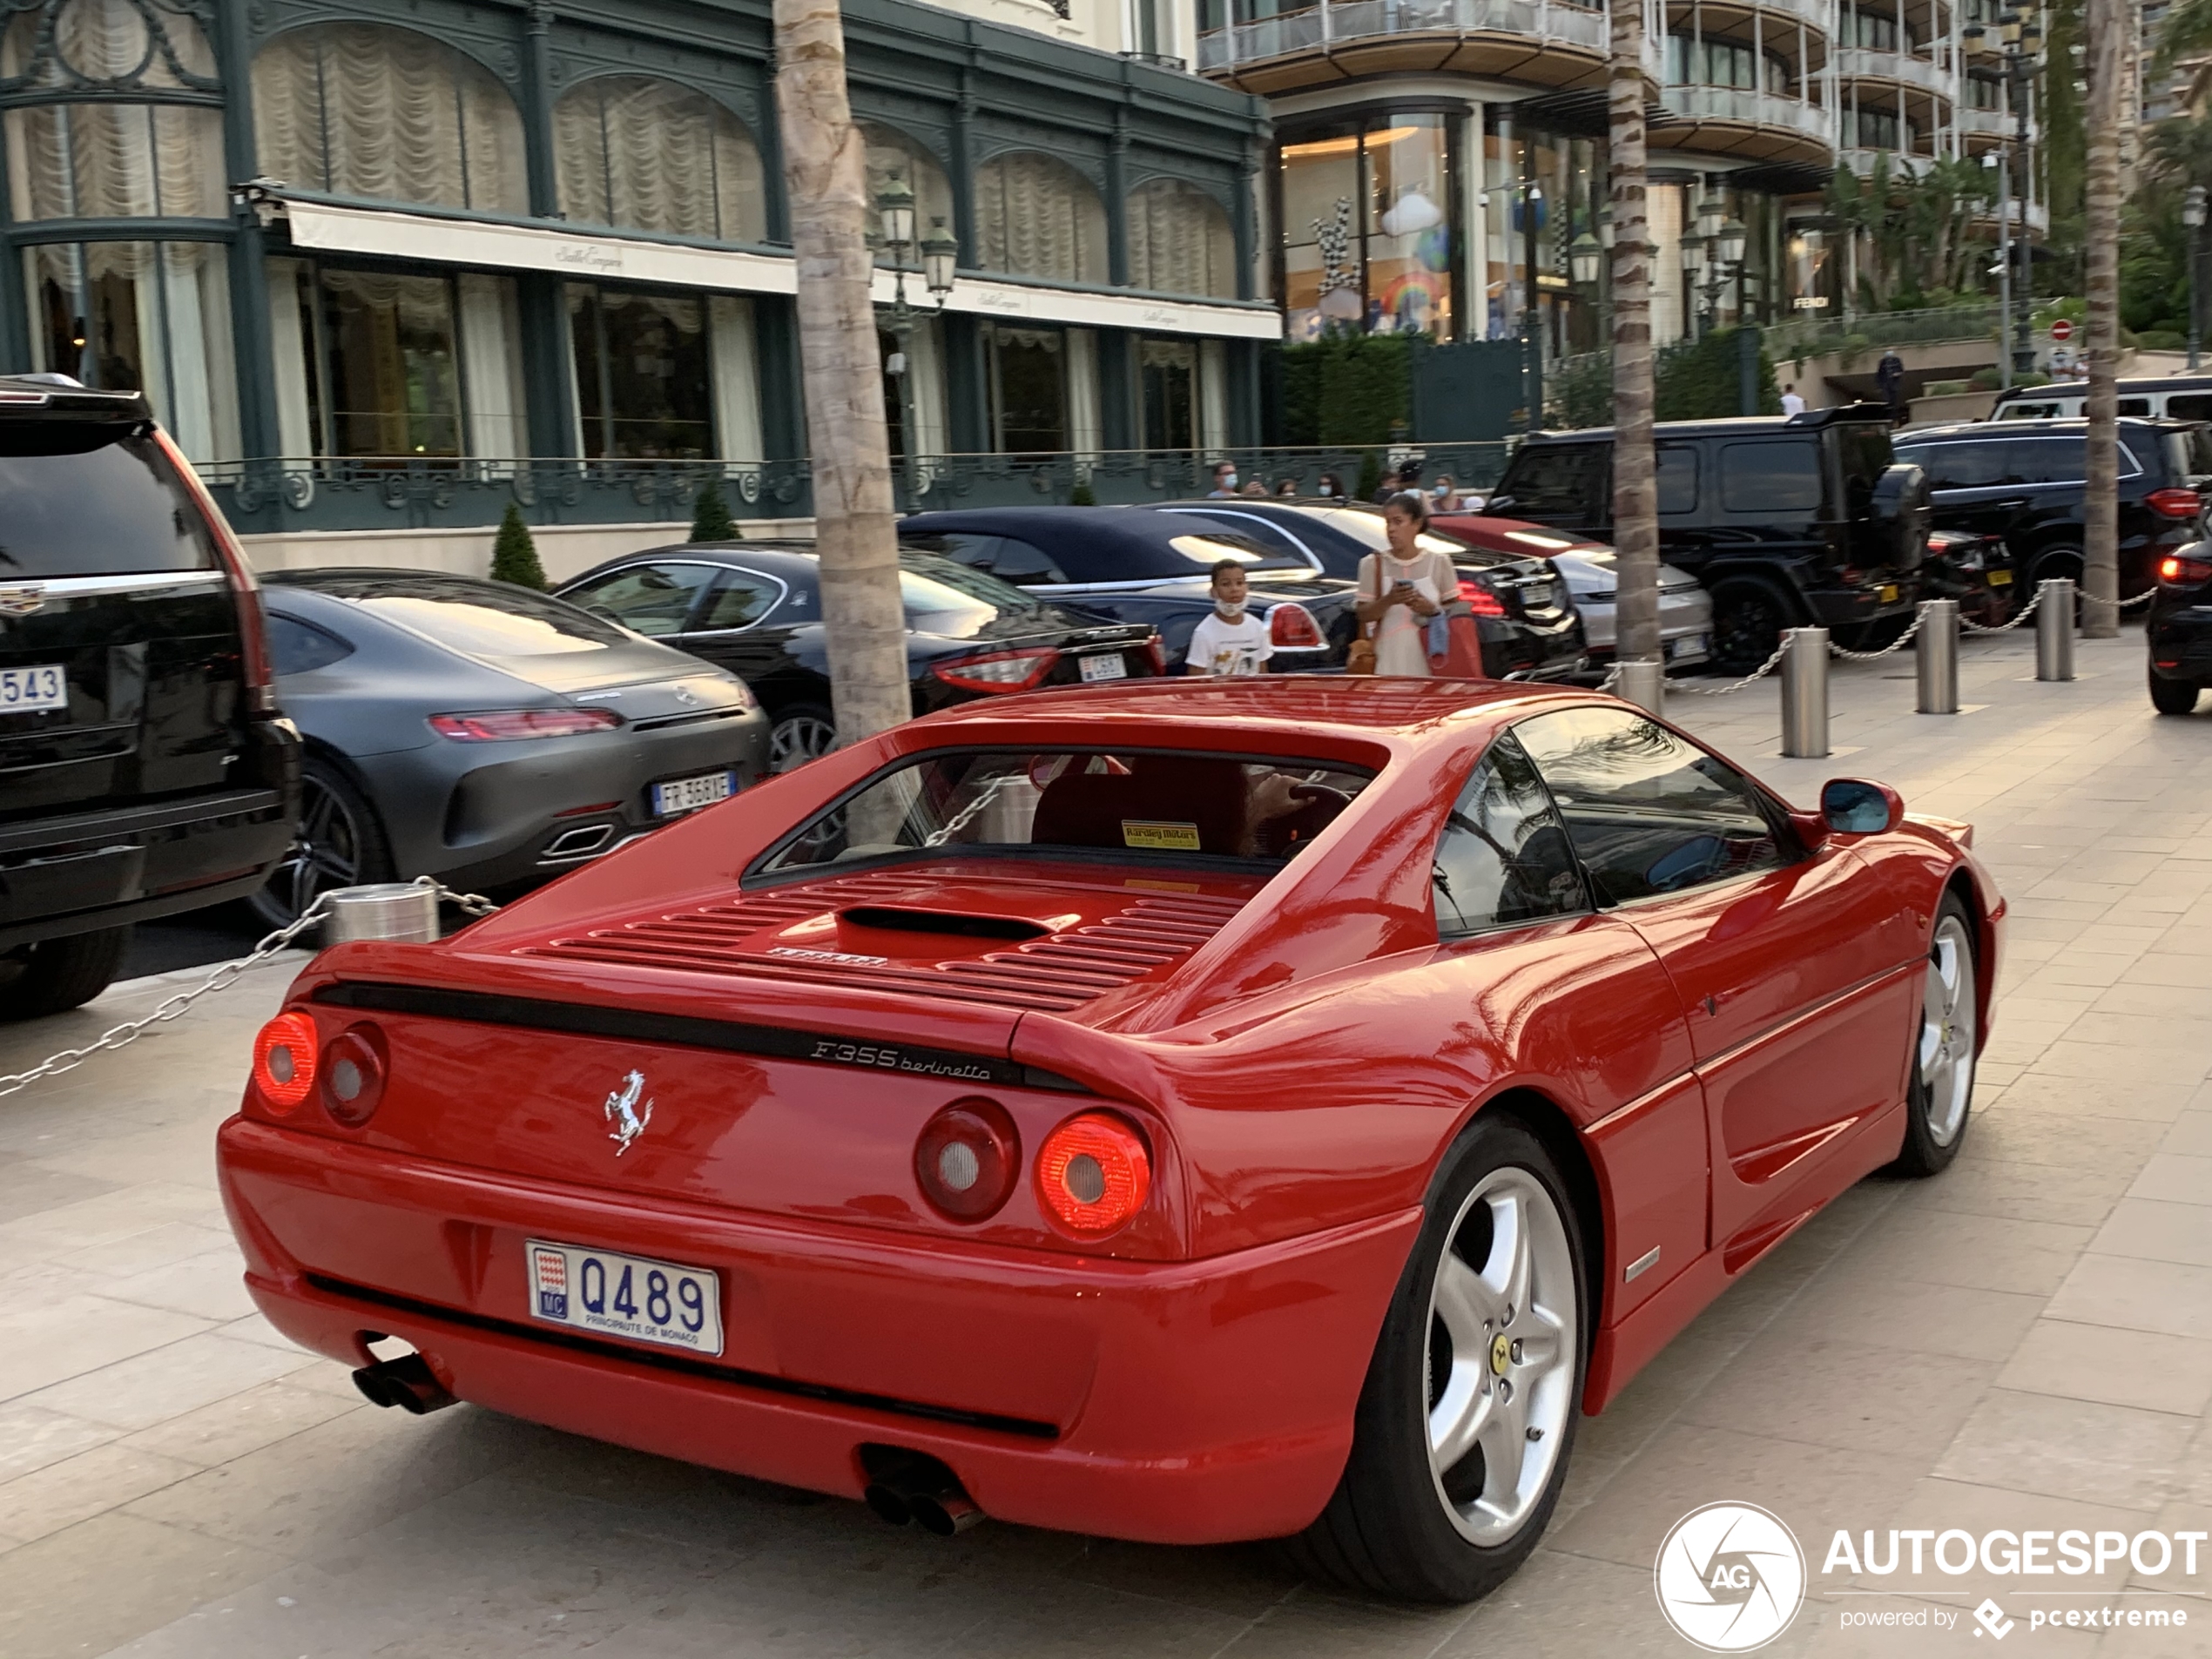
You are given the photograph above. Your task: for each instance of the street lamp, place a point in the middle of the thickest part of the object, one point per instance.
(1584, 255)
(2019, 46)
(894, 209)
(1715, 254)
(2193, 220)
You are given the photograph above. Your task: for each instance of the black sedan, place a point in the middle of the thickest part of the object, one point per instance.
(2179, 629)
(484, 734)
(1523, 607)
(1144, 567)
(756, 608)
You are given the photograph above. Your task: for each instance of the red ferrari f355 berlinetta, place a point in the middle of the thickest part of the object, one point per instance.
(1263, 1109)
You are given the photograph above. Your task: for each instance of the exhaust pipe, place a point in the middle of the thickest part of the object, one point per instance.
(912, 1486)
(407, 1382)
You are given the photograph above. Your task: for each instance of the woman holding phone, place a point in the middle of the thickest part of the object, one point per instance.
(1403, 589)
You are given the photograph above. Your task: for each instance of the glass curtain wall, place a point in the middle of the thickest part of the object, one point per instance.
(1368, 211)
(1547, 188)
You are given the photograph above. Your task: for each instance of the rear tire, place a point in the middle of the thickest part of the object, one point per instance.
(1748, 616)
(339, 842)
(1482, 1356)
(801, 732)
(57, 974)
(2173, 697)
(1940, 1098)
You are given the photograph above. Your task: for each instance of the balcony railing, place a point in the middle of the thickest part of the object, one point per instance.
(1854, 62)
(1753, 108)
(1546, 22)
(1862, 162)
(1814, 14)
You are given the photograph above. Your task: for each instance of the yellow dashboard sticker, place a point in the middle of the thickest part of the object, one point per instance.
(1159, 836)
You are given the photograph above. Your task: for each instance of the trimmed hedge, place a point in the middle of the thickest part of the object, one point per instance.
(1347, 389)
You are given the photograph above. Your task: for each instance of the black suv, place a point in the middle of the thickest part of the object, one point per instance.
(143, 767)
(1788, 521)
(2022, 481)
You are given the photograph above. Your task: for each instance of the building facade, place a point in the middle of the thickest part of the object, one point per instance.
(1437, 162)
(383, 266)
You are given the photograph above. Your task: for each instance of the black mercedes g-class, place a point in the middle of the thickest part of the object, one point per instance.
(1797, 521)
(143, 768)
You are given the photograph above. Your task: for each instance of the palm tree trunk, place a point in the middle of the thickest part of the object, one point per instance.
(2101, 579)
(825, 179)
(1635, 502)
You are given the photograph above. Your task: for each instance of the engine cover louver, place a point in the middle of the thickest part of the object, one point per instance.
(1123, 937)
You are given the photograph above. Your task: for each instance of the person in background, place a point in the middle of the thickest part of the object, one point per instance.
(1446, 495)
(1889, 375)
(1404, 588)
(1257, 487)
(1408, 479)
(1228, 639)
(1224, 481)
(1287, 490)
(1330, 488)
(1792, 403)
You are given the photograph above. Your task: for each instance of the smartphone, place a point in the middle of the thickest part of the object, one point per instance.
(1403, 582)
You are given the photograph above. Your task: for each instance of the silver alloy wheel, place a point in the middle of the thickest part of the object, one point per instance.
(797, 738)
(325, 853)
(1948, 1029)
(1504, 1323)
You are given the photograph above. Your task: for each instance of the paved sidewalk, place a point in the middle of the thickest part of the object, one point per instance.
(2024, 1342)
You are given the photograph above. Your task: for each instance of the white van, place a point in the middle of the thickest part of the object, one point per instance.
(2185, 397)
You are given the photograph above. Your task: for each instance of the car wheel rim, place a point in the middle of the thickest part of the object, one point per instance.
(1748, 629)
(798, 738)
(325, 853)
(1503, 1329)
(1947, 1031)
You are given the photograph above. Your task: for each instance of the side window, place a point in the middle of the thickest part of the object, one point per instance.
(2189, 405)
(1504, 856)
(744, 598)
(1959, 466)
(1561, 478)
(652, 599)
(1676, 474)
(1770, 478)
(2135, 406)
(2052, 460)
(1649, 812)
(301, 648)
(979, 551)
(1024, 565)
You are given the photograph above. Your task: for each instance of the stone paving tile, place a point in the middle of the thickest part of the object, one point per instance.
(2065, 1448)
(2137, 1295)
(166, 1382)
(61, 1494)
(232, 1427)
(87, 1589)
(2158, 1231)
(2141, 1368)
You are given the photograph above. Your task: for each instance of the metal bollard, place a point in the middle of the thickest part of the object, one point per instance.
(2054, 630)
(1643, 684)
(1805, 694)
(397, 912)
(1937, 658)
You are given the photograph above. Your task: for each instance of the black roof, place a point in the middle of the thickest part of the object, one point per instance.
(2080, 388)
(1100, 529)
(1733, 426)
(2050, 426)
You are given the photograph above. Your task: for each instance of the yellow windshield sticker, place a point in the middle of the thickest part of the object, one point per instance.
(1159, 837)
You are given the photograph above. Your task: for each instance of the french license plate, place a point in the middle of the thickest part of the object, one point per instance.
(631, 1297)
(688, 794)
(1110, 667)
(1688, 645)
(1889, 593)
(24, 689)
(2000, 578)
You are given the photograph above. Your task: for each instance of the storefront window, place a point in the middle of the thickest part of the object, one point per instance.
(1368, 218)
(361, 110)
(391, 364)
(1038, 217)
(1169, 369)
(116, 161)
(646, 154)
(142, 316)
(1180, 241)
(644, 375)
(1028, 376)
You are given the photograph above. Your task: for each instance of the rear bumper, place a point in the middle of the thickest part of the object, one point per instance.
(1189, 1402)
(1515, 648)
(2181, 642)
(87, 871)
(1842, 607)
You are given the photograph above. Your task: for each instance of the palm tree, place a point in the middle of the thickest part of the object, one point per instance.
(2100, 583)
(1635, 497)
(827, 185)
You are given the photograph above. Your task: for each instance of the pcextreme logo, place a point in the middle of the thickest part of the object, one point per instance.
(1729, 1577)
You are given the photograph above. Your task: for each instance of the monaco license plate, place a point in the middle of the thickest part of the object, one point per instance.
(2000, 578)
(1104, 668)
(688, 794)
(23, 689)
(631, 1297)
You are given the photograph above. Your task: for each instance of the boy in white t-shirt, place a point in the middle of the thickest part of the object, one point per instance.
(1228, 639)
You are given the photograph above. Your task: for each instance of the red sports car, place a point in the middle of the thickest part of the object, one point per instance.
(1272, 1108)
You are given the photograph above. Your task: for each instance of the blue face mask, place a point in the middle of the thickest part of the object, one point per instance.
(1228, 481)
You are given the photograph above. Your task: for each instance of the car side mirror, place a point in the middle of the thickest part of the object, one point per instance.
(1854, 807)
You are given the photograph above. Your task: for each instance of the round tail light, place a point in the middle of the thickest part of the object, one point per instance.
(1093, 1174)
(353, 1074)
(284, 1060)
(968, 1158)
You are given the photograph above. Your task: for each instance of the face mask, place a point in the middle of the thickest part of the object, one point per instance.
(1229, 481)
(1229, 612)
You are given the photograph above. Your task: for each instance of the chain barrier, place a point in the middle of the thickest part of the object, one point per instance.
(2142, 598)
(228, 974)
(1758, 673)
(1919, 615)
(2026, 611)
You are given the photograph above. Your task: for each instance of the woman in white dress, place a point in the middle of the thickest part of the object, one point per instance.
(1402, 588)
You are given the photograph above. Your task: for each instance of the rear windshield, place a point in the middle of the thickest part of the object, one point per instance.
(1863, 454)
(483, 619)
(945, 597)
(1129, 805)
(116, 509)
